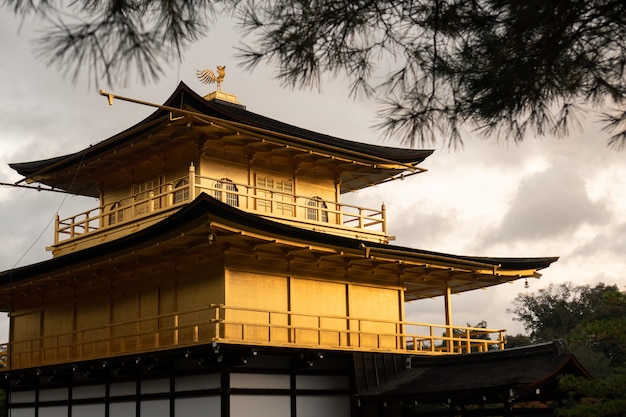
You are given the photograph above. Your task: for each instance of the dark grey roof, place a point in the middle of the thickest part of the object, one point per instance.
(206, 207)
(505, 373)
(185, 98)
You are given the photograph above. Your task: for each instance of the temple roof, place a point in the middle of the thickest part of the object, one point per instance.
(424, 273)
(510, 373)
(185, 109)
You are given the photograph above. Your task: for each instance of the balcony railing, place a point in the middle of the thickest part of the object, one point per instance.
(314, 212)
(224, 324)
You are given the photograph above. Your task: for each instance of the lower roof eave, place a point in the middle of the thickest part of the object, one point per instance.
(205, 210)
(506, 374)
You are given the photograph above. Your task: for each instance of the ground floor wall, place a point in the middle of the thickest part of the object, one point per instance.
(262, 395)
(203, 384)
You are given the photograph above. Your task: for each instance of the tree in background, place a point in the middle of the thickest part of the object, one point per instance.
(517, 340)
(570, 313)
(555, 311)
(594, 398)
(509, 68)
(606, 332)
(592, 321)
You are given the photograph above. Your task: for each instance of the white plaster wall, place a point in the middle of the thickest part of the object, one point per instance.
(88, 410)
(155, 408)
(23, 412)
(125, 409)
(198, 407)
(260, 406)
(259, 381)
(327, 406)
(88, 391)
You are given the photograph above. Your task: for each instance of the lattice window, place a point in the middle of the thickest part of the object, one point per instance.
(181, 191)
(316, 210)
(275, 195)
(141, 194)
(116, 213)
(231, 198)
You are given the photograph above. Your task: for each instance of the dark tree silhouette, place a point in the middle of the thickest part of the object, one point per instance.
(591, 320)
(507, 68)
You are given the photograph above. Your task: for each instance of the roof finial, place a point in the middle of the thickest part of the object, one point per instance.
(207, 76)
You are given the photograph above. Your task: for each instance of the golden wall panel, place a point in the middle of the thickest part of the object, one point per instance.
(58, 324)
(216, 169)
(26, 326)
(268, 295)
(151, 308)
(125, 308)
(167, 306)
(148, 312)
(196, 289)
(167, 298)
(316, 187)
(372, 306)
(195, 292)
(92, 332)
(319, 305)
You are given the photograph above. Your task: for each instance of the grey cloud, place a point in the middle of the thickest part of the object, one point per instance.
(610, 240)
(26, 223)
(422, 229)
(549, 204)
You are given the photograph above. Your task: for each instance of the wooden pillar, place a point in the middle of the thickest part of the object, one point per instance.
(448, 313)
(383, 212)
(192, 182)
(400, 329)
(338, 208)
(225, 392)
(56, 229)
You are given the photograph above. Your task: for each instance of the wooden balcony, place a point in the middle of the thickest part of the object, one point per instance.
(232, 325)
(303, 211)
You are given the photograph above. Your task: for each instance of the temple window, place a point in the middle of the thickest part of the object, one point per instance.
(275, 195)
(142, 193)
(181, 191)
(316, 210)
(232, 198)
(116, 215)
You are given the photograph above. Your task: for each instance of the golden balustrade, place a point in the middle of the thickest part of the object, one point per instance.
(234, 325)
(325, 215)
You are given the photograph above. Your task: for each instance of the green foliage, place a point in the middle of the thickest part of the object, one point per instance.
(517, 340)
(597, 398)
(507, 68)
(606, 331)
(113, 39)
(554, 312)
(592, 320)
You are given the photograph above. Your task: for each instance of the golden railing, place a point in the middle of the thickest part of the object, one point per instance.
(223, 324)
(324, 214)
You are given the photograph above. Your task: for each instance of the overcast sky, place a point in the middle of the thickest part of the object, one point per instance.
(544, 197)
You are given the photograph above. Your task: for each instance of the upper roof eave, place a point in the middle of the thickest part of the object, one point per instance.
(184, 98)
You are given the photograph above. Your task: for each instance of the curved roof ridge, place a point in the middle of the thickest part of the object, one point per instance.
(204, 205)
(241, 115)
(183, 96)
